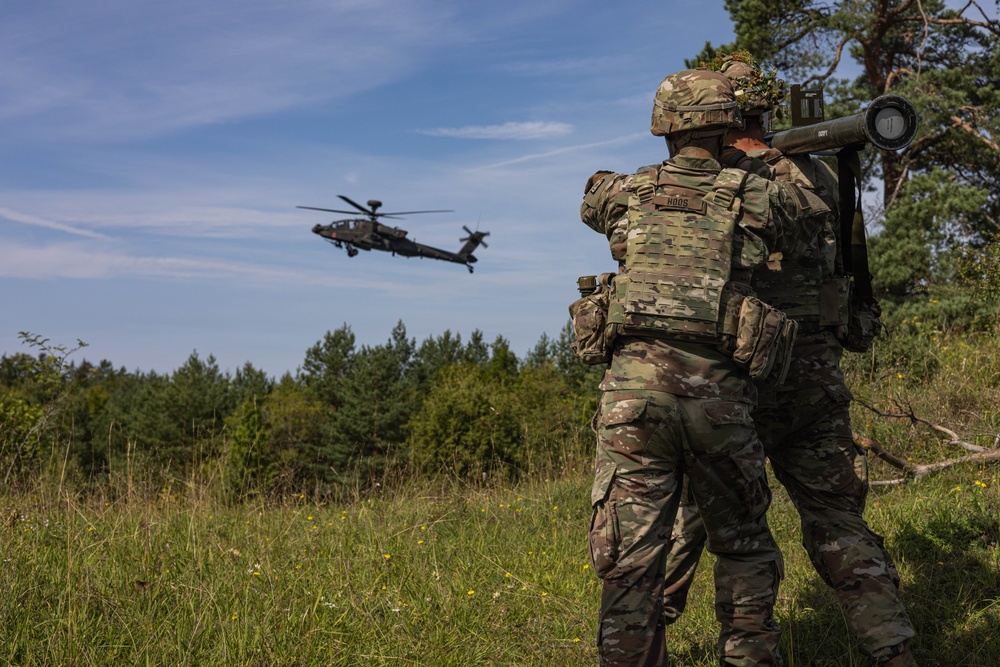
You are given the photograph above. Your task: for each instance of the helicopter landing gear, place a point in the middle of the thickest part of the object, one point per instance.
(351, 252)
(469, 268)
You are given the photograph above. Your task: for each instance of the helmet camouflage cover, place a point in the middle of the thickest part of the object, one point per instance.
(756, 91)
(694, 100)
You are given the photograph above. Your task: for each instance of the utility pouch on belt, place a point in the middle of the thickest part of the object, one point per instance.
(593, 336)
(764, 340)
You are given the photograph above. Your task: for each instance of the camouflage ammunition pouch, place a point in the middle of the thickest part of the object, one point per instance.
(593, 337)
(864, 324)
(764, 340)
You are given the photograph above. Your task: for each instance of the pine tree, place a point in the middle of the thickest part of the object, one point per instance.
(938, 194)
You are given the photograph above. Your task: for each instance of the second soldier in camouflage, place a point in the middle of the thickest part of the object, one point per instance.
(805, 423)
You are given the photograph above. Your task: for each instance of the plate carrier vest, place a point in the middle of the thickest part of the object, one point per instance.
(679, 275)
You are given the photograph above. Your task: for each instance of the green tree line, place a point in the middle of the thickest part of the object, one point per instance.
(348, 416)
(352, 412)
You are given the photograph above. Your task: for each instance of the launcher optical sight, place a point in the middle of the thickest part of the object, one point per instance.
(889, 122)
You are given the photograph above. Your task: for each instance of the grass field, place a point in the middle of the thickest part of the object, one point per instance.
(444, 574)
(433, 576)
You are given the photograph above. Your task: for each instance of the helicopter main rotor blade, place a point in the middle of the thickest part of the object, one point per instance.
(366, 211)
(412, 212)
(328, 210)
(370, 212)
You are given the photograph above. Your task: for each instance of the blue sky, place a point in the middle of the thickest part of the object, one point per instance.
(154, 154)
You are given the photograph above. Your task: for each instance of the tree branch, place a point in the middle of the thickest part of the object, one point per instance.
(904, 173)
(836, 61)
(927, 141)
(923, 42)
(992, 26)
(964, 125)
(918, 470)
(896, 11)
(953, 438)
(896, 73)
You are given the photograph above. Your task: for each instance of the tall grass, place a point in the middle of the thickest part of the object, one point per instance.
(429, 576)
(433, 575)
(454, 574)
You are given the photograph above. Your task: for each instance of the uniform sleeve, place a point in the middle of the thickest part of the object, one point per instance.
(777, 217)
(605, 209)
(756, 233)
(809, 173)
(602, 207)
(798, 214)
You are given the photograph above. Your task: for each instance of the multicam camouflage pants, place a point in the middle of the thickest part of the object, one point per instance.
(807, 437)
(647, 442)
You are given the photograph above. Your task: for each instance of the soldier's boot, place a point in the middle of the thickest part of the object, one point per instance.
(904, 658)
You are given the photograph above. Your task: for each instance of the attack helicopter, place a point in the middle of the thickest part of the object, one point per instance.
(369, 234)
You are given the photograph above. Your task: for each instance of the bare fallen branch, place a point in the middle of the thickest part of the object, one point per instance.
(917, 470)
(951, 436)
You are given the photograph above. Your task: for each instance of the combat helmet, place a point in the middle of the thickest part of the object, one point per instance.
(694, 100)
(757, 92)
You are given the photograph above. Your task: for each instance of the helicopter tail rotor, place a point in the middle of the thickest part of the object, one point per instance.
(475, 237)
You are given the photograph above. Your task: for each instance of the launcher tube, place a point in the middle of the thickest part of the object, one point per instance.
(889, 122)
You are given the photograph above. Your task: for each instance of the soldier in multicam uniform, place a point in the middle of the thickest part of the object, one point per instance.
(677, 394)
(805, 423)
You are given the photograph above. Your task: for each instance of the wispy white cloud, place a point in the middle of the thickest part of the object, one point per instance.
(111, 68)
(86, 262)
(36, 221)
(617, 141)
(188, 211)
(510, 130)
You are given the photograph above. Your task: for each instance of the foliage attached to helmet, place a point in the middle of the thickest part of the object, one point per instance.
(756, 91)
(695, 100)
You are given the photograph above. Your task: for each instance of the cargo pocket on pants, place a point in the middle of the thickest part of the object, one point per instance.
(605, 535)
(752, 483)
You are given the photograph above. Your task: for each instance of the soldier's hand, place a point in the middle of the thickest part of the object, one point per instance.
(733, 157)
